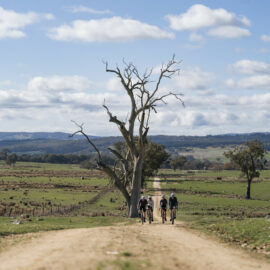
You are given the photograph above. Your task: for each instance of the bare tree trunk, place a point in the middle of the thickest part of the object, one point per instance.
(248, 189)
(136, 187)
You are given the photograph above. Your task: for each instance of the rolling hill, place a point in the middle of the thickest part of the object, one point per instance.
(61, 143)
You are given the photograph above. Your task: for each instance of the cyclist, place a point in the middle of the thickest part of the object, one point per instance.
(142, 205)
(173, 203)
(163, 205)
(150, 206)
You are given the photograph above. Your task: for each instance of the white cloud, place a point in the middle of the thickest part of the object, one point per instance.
(259, 71)
(194, 79)
(246, 66)
(252, 82)
(195, 37)
(55, 100)
(80, 8)
(229, 32)
(114, 84)
(230, 83)
(193, 119)
(5, 83)
(222, 23)
(115, 29)
(200, 16)
(13, 23)
(59, 83)
(265, 38)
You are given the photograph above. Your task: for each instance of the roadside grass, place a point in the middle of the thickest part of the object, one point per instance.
(56, 223)
(218, 206)
(124, 264)
(249, 233)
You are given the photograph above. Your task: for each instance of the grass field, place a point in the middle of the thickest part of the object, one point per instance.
(47, 196)
(213, 154)
(35, 197)
(218, 206)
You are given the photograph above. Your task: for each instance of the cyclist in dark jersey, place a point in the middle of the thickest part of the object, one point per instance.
(163, 204)
(173, 203)
(142, 204)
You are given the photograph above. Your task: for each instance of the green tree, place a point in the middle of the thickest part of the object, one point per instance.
(250, 159)
(178, 162)
(11, 159)
(4, 154)
(155, 156)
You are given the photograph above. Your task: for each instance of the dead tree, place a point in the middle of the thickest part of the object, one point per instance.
(144, 98)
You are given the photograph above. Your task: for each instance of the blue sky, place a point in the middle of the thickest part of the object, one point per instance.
(52, 70)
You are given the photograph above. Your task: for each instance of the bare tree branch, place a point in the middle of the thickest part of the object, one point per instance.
(80, 126)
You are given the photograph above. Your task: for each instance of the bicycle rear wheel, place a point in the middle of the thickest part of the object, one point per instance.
(149, 217)
(163, 216)
(172, 216)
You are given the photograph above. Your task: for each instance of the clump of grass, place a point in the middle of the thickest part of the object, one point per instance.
(126, 254)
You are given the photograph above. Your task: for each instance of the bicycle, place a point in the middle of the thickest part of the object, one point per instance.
(163, 215)
(149, 214)
(173, 214)
(142, 216)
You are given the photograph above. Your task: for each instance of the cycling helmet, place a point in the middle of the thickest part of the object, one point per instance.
(149, 197)
(163, 196)
(172, 194)
(143, 197)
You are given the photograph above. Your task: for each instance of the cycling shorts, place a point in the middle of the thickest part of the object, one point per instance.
(143, 208)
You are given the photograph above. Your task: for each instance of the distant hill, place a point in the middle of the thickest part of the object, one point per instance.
(60, 143)
(7, 136)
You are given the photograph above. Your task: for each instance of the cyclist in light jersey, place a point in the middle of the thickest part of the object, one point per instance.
(150, 205)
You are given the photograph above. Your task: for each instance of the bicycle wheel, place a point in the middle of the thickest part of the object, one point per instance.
(149, 217)
(172, 217)
(142, 217)
(163, 216)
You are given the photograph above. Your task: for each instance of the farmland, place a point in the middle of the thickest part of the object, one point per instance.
(36, 197)
(213, 201)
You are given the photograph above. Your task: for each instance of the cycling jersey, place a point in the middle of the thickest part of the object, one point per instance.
(163, 203)
(142, 204)
(173, 202)
(151, 203)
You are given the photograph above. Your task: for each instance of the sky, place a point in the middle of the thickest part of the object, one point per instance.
(52, 68)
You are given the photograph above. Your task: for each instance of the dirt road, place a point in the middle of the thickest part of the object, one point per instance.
(137, 246)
